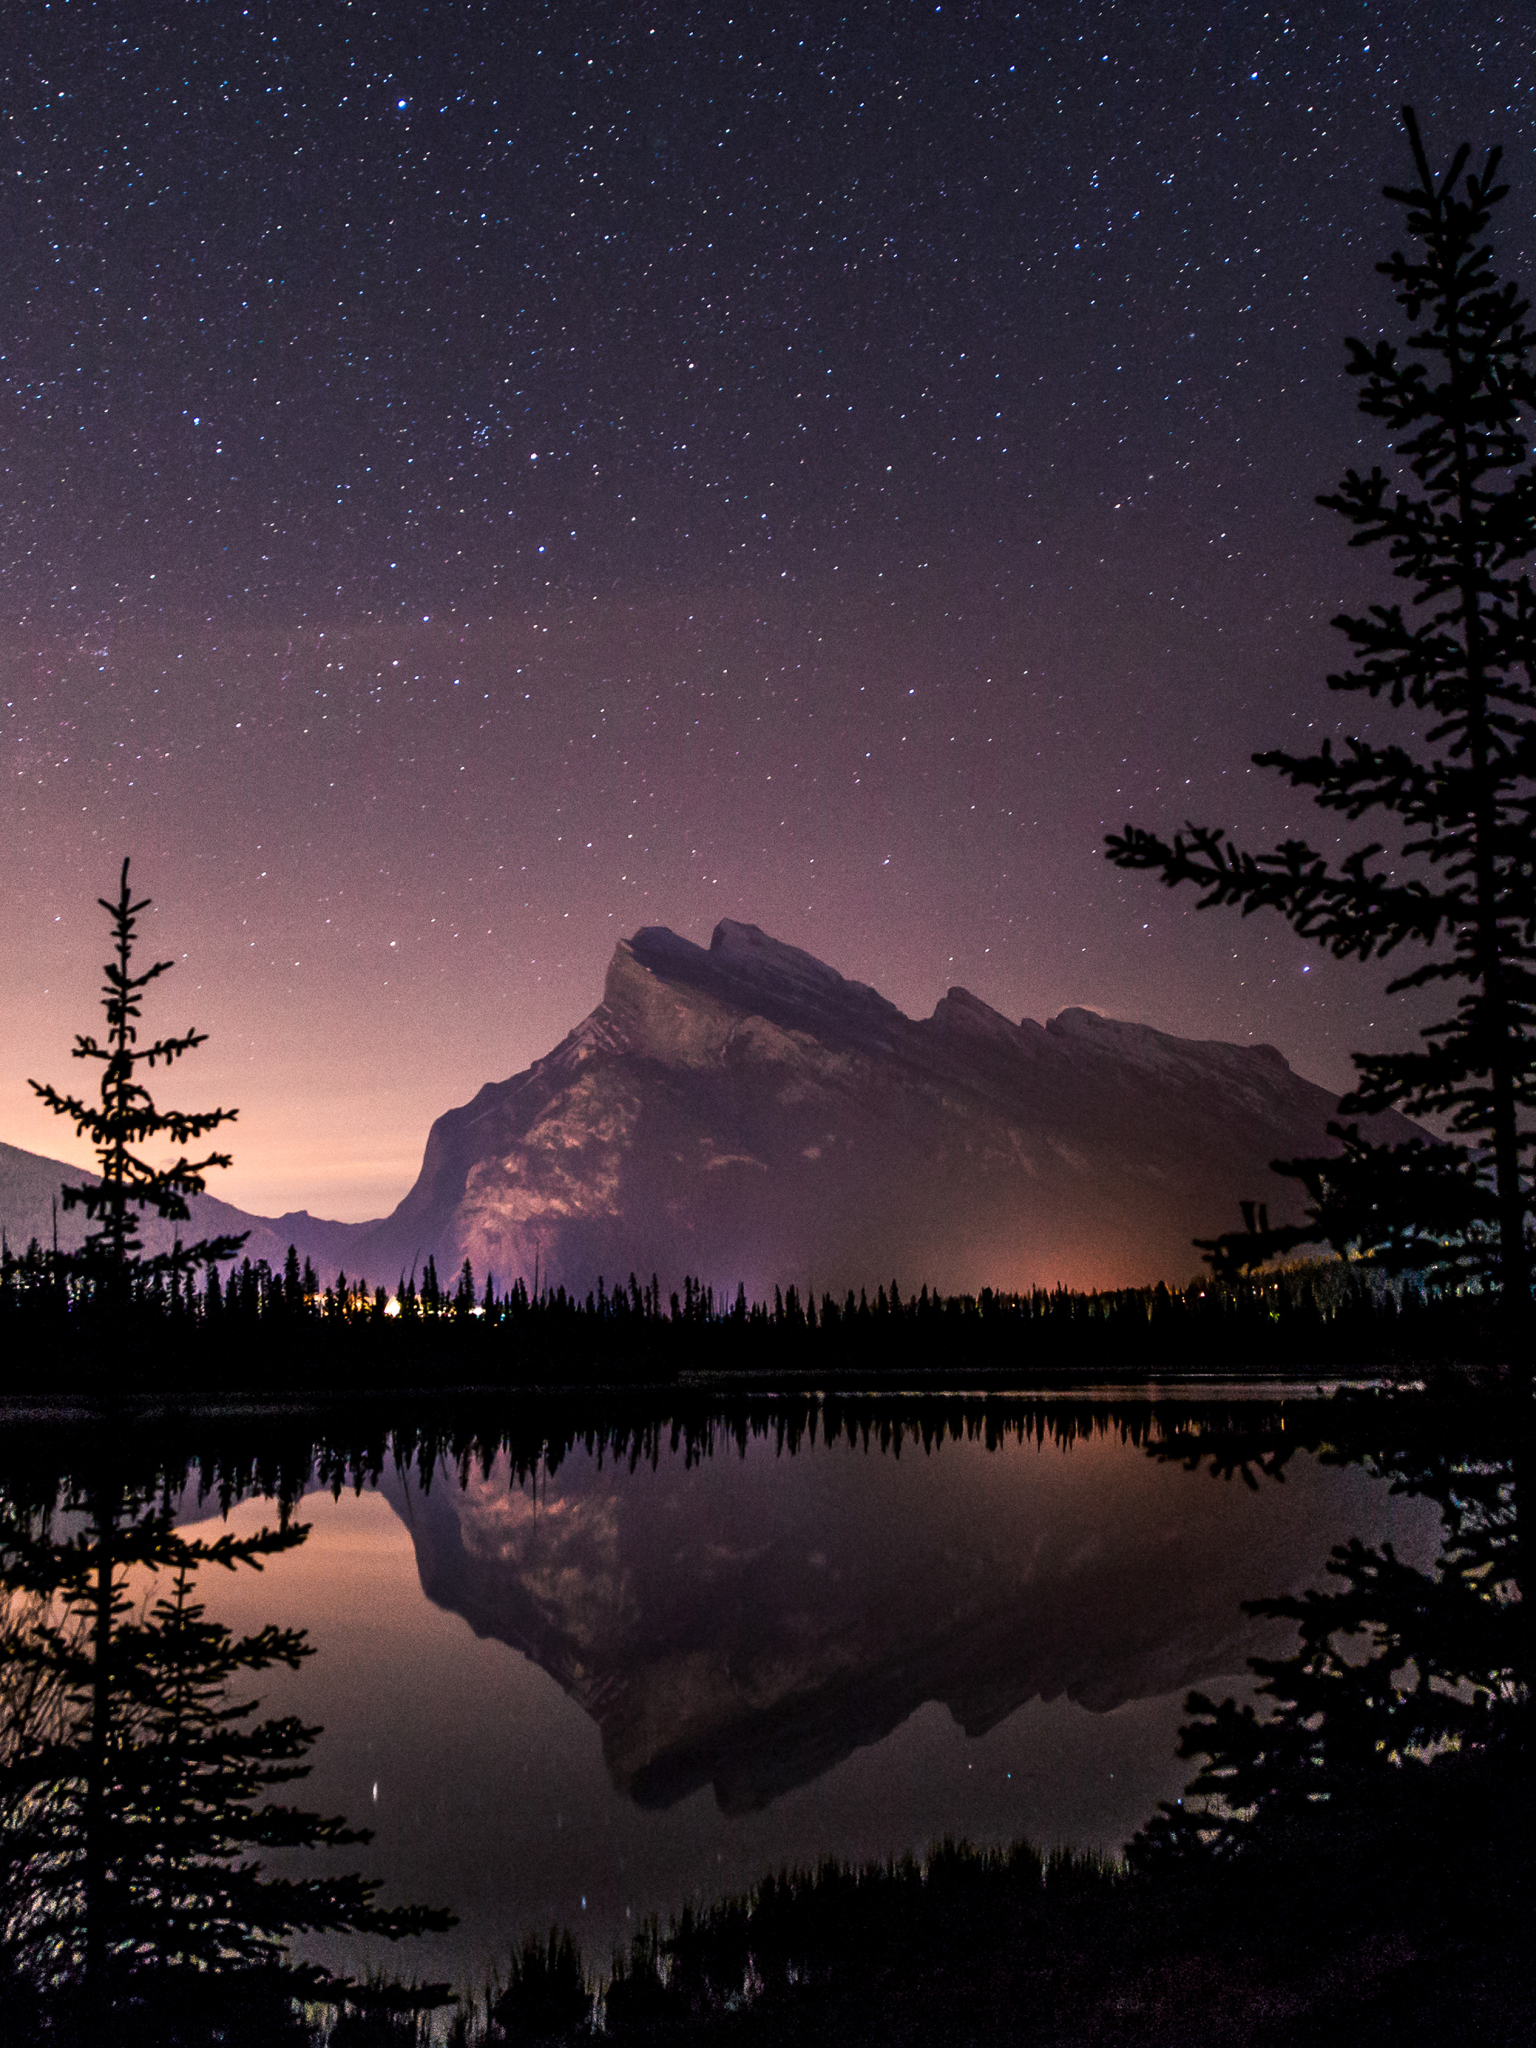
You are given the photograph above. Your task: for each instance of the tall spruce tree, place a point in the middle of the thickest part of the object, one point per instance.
(1456, 789)
(126, 1119)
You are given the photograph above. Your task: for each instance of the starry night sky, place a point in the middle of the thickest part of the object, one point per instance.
(475, 480)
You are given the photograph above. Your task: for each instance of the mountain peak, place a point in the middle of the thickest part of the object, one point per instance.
(748, 948)
(1140, 1043)
(742, 1111)
(746, 969)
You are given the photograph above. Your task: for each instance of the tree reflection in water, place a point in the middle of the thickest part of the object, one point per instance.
(1353, 1852)
(1353, 1861)
(135, 1779)
(1396, 1669)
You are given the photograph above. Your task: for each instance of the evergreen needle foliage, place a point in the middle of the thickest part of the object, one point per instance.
(1456, 790)
(135, 1779)
(1396, 1669)
(126, 1119)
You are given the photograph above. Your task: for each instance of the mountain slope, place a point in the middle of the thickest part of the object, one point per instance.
(742, 1112)
(30, 1183)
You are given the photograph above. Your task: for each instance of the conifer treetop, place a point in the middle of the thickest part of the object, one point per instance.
(1453, 879)
(126, 1118)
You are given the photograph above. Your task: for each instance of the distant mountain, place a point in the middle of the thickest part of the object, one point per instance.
(748, 1622)
(743, 1113)
(29, 1187)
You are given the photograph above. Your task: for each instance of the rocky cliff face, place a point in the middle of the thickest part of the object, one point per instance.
(744, 1113)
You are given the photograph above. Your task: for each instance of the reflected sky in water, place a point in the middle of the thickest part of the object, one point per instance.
(594, 1696)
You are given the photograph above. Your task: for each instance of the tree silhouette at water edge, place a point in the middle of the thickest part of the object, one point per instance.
(111, 1263)
(1456, 786)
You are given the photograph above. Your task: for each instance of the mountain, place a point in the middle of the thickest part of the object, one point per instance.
(742, 1112)
(746, 1621)
(29, 1187)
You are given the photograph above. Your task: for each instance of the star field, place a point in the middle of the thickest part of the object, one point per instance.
(478, 480)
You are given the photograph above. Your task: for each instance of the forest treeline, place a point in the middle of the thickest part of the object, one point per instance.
(257, 1329)
(216, 1456)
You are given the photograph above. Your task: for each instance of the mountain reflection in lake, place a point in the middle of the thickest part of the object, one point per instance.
(599, 1692)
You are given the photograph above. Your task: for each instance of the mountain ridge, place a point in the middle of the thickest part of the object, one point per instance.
(744, 1112)
(751, 1658)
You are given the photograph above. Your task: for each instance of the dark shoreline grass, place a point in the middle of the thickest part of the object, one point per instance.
(1411, 1925)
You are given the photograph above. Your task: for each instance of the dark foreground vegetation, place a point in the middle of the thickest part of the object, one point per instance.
(1412, 1930)
(1353, 1861)
(280, 1333)
(1406, 1923)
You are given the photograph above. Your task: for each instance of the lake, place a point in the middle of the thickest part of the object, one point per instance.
(584, 1688)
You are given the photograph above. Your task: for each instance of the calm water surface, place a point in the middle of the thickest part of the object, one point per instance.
(598, 1693)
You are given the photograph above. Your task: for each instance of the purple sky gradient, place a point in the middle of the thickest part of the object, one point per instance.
(473, 487)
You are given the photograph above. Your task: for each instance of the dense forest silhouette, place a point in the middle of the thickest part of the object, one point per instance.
(262, 1331)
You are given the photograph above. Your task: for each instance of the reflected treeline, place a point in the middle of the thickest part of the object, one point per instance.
(221, 1456)
(265, 1330)
(137, 1813)
(1353, 1856)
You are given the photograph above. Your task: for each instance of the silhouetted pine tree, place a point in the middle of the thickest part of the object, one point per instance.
(1456, 788)
(126, 1118)
(464, 1292)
